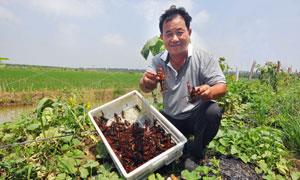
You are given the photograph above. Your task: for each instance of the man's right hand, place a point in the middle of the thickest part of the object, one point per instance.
(148, 82)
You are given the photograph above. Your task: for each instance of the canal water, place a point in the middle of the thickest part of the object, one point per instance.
(10, 113)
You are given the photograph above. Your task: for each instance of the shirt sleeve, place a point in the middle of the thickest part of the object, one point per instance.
(212, 71)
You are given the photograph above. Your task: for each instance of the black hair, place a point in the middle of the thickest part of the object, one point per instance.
(172, 12)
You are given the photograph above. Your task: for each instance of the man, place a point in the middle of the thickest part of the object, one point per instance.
(188, 71)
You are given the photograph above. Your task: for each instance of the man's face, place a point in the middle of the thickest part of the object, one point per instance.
(176, 36)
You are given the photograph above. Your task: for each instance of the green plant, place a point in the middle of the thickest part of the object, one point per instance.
(63, 154)
(223, 64)
(262, 146)
(154, 45)
(156, 176)
(209, 172)
(269, 74)
(291, 130)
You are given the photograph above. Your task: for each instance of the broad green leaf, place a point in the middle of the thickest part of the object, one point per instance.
(83, 172)
(43, 103)
(76, 142)
(258, 170)
(32, 127)
(221, 149)
(61, 176)
(220, 134)
(224, 141)
(105, 174)
(152, 177)
(234, 150)
(263, 166)
(212, 145)
(156, 176)
(254, 157)
(202, 169)
(65, 147)
(51, 132)
(91, 164)
(76, 153)
(244, 158)
(66, 139)
(266, 154)
(8, 137)
(159, 177)
(295, 175)
(67, 165)
(215, 162)
(282, 168)
(155, 45)
(189, 175)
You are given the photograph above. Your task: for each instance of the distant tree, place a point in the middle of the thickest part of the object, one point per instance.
(223, 64)
(268, 74)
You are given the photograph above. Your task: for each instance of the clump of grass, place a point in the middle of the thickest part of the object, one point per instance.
(291, 130)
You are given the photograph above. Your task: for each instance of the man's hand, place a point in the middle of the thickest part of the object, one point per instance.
(208, 93)
(148, 82)
(204, 92)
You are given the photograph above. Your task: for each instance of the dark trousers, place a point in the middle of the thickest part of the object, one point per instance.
(203, 125)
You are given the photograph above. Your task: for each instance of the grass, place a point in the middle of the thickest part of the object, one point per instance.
(26, 79)
(291, 130)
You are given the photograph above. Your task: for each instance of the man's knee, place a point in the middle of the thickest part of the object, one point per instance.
(213, 112)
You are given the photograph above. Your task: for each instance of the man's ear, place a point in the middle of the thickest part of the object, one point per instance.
(190, 31)
(161, 36)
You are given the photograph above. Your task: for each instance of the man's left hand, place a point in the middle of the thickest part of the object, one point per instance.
(208, 93)
(204, 92)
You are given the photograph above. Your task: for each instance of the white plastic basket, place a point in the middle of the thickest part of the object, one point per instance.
(124, 103)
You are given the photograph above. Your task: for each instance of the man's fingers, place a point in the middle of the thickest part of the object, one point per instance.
(150, 75)
(148, 80)
(200, 90)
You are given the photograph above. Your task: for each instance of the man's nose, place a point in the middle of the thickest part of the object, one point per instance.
(175, 38)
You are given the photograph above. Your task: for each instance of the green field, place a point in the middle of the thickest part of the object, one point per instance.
(26, 79)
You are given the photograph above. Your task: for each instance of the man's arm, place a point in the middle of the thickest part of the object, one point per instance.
(214, 92)
(148, 82)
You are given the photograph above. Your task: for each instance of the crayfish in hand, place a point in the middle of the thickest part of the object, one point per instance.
(160, 77)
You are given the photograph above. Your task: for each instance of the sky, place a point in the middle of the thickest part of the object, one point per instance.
(111, 33)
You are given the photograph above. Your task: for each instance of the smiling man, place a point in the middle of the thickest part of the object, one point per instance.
(187, 70)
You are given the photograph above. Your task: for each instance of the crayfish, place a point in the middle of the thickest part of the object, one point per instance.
(134, 145)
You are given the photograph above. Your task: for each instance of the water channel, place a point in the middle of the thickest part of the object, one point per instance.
(10, 113)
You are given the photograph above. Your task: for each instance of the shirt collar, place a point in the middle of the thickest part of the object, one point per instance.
(164, 55)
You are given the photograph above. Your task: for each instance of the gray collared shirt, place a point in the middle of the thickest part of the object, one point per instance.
(199, 68)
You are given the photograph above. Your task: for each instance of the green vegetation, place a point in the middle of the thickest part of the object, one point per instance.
(260, 126)
(154, 45)
(211, 172)
(16, 79)
(69, 152)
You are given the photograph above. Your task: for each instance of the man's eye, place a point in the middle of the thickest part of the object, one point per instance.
(179, 33)
(169, 34)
